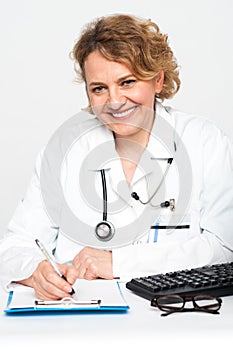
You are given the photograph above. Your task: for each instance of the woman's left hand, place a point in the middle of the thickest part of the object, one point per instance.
(92, 263)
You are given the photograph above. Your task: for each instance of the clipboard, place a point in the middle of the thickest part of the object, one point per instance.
(97, 295)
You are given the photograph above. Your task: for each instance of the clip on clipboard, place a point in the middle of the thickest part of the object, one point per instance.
(67, 303)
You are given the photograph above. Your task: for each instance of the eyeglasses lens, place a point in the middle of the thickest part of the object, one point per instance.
(207, 302)
(170, 303)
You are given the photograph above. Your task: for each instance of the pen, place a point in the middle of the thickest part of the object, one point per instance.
(52, 262)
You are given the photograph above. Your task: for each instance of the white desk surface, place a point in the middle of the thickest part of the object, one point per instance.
(141, 326)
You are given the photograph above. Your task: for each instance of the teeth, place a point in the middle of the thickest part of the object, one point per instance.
(123, 114)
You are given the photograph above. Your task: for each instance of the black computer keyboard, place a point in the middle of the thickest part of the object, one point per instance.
(215, 280)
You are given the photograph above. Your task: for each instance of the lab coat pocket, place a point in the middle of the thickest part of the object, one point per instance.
(175, 229)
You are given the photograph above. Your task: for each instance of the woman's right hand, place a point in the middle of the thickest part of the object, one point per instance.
(48, 285)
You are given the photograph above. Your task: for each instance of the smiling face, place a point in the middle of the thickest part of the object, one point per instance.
(122, 102)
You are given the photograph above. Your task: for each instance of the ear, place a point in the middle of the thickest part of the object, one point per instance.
(159, 79)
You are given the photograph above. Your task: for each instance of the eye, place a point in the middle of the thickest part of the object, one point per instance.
(128, 82)
(98, 89)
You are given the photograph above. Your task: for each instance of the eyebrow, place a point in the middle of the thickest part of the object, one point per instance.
(94, 83)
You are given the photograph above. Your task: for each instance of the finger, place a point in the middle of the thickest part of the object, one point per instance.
(48, 290)
(58, 283)
(91, 269)
(52, 288)
(90, 274)
(70, 272)
(75, 260)
(81, 271)
(52, 277)
(44, 294)
(46, 282)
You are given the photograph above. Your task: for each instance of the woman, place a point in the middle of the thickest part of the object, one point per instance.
(158, 155)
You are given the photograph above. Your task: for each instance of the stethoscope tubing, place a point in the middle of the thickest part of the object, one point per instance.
(105, 198)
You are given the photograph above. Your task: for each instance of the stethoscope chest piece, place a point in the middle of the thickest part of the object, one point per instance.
(104, 230)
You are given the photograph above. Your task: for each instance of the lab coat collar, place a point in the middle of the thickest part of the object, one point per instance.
(161, 145)
(162, 138)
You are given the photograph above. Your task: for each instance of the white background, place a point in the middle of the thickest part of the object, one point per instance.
(37, 88)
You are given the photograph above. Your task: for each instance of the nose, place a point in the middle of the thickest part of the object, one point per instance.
(116, 98)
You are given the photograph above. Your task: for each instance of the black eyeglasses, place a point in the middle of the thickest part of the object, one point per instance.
(175, 303)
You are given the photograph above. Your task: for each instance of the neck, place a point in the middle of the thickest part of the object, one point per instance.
(135, 143)
(130, 152)
(131, 147)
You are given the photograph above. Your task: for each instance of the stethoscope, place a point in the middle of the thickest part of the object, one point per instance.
(105, 230)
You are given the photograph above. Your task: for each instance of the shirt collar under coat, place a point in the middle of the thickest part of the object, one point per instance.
(161, 145)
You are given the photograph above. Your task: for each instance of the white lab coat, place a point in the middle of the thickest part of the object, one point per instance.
(206, 233)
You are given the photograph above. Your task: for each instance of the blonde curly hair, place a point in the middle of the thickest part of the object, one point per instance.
(132, 41)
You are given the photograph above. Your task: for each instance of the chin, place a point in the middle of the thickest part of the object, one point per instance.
(125, 130)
